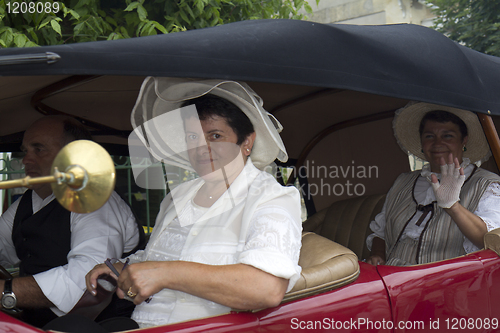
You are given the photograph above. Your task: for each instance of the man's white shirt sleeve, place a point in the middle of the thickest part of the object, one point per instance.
(94, 238)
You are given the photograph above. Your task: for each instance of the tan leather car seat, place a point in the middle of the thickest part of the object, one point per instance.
(325, 265)
(347, 222)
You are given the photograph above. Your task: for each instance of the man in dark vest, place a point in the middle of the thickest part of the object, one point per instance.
(54, 247)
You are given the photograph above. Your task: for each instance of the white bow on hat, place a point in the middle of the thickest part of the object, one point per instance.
(158, 125)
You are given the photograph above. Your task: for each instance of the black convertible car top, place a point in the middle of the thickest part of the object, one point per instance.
(405, 61)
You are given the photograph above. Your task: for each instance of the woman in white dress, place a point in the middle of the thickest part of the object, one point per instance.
(228, 239)
(444, 210)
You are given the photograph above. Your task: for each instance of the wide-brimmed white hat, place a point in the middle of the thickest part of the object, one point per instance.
(157, 121)
(406, 125)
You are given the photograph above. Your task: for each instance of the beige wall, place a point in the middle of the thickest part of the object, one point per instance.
(370, 12)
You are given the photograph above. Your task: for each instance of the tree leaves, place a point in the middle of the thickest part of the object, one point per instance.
(56, 26)
(91, 20)
(475, 24)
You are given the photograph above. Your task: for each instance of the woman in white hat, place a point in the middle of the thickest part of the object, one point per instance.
(445, 209)
(228, 239)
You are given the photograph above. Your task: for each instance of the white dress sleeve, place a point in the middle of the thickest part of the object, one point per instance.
(378, 228)
(274, 240)
(8, 256)
(488, 210)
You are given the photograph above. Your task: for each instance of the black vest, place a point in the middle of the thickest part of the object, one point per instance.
(42, 240)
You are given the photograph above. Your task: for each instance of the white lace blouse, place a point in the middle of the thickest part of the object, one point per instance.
(261, 228)
(488, 208)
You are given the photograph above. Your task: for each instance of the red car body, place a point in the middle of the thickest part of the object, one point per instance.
(439, 297)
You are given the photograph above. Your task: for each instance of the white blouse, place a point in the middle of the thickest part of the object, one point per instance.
(488, 208)
(261, 229)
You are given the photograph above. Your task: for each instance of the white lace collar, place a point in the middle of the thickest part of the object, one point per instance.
(466, 165)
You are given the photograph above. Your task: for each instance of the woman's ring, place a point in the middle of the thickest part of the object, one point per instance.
(130, 293)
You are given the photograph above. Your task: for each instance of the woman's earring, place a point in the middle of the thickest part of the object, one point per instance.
(464, 149)
(422, 151)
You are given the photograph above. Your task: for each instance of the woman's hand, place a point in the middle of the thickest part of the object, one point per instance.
(91, 277)
(448, 194)
(375, 260)
(142, 280)
(447, 191)
(377, 255)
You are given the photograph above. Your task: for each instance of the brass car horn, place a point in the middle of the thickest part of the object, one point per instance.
(83, 177)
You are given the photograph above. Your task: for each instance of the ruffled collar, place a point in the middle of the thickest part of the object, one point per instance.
(466, 165)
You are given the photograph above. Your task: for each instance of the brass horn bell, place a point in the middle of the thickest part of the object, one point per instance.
(83, 177)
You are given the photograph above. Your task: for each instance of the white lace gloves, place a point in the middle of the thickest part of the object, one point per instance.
(447, 191)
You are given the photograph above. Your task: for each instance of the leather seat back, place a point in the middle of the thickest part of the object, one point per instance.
(347, 222)
(492, 240)
(325, 265)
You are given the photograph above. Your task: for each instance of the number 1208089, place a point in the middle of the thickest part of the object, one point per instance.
(32, 7)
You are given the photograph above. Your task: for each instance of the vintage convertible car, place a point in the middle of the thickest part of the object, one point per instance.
(335, 89)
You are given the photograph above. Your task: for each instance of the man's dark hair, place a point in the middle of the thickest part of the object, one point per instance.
(443, 117)
(210, 105)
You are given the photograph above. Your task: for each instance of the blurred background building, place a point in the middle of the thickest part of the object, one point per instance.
(368, 12)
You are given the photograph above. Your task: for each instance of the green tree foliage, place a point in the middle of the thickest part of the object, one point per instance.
(71, 21)
(475, 23)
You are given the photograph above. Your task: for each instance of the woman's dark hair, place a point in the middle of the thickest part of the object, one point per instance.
(210, 105)
(443, 117)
